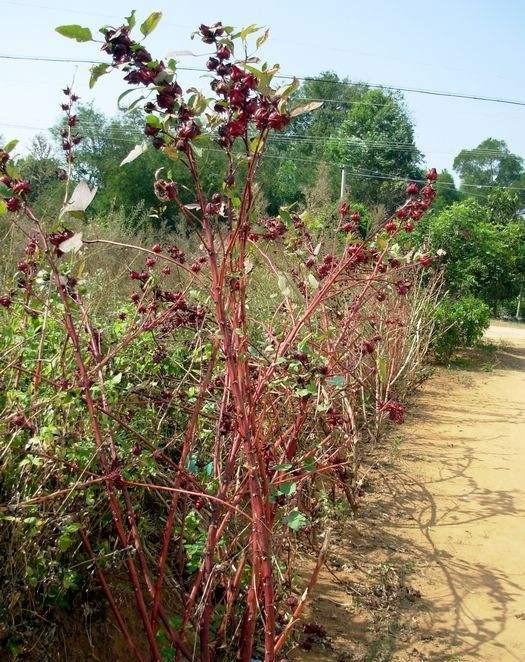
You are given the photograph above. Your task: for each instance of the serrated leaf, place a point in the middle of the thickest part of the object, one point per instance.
(5, 191)
(76, 32)
(11, 145)
(305, 108)
(80, 199)
(137, 151)
(97, 70)
(71, 245)
(150, 23)
(296, 520)
(64, 542)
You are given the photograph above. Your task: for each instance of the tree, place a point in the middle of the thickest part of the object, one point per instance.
(489, 164)
(369, 131)
(41, 166)
(376, 143)
(106, 141)
(482, 258)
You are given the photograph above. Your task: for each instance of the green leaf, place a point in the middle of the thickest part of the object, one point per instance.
(12, 170)
(283, 467)
(296, 520)
(248, 30)
(305, 108)
(309, 464)
(256, 144)
(5, 191)
(287, 89)
(10, 146)
(337, 380)
(287, 489)
(3, 207)
(64, 542)
(153, 120)
(75, 32)
(382, 369)
(97, 70)
(137, 151)
(262, 38)
(150, 23)
(131, 19)
(123, 95)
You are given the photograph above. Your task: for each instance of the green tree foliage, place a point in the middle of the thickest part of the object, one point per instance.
(369, 131)
(41, 167)
(491, 163)
(376, 140)
(482, 251)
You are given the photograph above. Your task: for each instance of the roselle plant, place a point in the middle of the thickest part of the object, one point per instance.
(191, 436)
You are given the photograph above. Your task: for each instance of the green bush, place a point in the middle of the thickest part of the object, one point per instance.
(459, 323)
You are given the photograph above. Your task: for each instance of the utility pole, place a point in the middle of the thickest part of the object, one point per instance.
(343, 184)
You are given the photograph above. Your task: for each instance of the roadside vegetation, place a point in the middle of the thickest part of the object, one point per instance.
(201, 346)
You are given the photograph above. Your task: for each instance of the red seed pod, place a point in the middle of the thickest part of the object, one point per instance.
(223, 53)
(13, 204)
(391, 227)
(412, 188)
(432, 175)
(20, 187)
(151, 262)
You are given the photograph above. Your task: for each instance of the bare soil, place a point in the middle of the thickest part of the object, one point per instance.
(434, 567)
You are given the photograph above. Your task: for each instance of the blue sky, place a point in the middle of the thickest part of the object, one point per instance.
(472, 47)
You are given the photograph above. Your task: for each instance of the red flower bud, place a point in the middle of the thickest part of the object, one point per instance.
(391, 227)
(13, 204)
(412, 188)
(20, 187)
(223, 53)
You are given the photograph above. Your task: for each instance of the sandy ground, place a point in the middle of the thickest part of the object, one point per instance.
(440, 569)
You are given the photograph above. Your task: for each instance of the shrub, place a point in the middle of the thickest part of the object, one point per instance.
(459, 323)
(183, 439)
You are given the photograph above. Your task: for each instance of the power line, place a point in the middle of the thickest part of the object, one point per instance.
(287, 139)
(379, 86)
(123, 139)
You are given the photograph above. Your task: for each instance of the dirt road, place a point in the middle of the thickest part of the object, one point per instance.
(448, 532)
